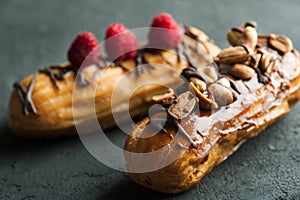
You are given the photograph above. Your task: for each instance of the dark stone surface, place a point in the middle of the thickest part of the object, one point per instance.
(38, 33)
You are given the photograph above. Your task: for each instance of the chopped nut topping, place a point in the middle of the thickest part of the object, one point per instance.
(167, 98)
(201, 85)
(204, 101)
(245, 59)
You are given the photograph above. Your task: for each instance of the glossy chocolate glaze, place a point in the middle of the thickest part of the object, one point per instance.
(254, 97)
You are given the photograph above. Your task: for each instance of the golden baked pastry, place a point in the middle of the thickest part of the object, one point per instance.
(258, 82)
(41, 104)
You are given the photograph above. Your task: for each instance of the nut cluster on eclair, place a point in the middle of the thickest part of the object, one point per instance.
(246, 57)
(250, 55)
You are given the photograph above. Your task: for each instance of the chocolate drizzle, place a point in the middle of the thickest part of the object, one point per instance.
(190, 72)
(183, 51)
(140, 60)
(55, 73)
(261, 78)
(25, 96)
(58, 75)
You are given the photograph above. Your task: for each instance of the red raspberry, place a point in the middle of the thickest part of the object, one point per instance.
(85, 48)
(168, 37)
(123, 43)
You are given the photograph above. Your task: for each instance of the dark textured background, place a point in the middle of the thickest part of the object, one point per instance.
(35, 33)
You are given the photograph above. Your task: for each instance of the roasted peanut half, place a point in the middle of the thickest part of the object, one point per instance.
(242, 71)
(237, 54)
(243, 36)
(280, 43)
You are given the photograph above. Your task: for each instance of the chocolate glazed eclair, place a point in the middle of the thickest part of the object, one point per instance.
(256, 82)
(41, 104)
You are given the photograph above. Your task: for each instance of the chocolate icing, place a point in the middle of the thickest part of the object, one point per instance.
(261, 77)
(185, 134)
(263, 90)
(267, 102)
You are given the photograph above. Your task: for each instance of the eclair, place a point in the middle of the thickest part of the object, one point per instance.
(41, 105)
(248, 86)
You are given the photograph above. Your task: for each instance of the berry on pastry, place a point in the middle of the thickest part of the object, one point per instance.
(164, 32)
(84, 49)
(120, 42)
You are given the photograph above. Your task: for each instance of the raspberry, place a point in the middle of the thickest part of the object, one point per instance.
(168, 37)
(85, 48)
(123, 43)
